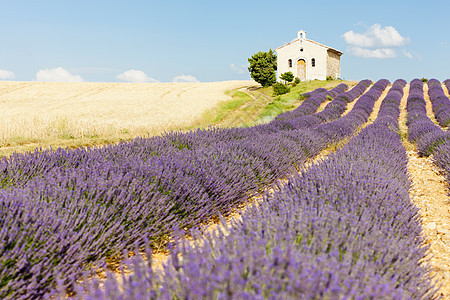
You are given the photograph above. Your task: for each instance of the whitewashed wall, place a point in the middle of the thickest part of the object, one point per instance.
(310, 50)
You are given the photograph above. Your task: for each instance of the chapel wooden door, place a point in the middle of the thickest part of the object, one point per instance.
(301, 69)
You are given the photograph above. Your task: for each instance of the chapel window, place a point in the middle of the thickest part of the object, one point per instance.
(313, 62)
(290, 63)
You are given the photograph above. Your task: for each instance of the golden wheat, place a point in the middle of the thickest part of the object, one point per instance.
(42, 114)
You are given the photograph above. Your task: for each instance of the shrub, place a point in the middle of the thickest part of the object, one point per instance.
(297, 80)
(280, 89)
(424, 79)
(287, 77)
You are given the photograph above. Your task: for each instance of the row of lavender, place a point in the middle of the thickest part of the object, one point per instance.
(63, 210)
(363, 106)
(344, 229)
(329, 93)
(333, 110)
(429, 137)
(20, 168)
(439, 101)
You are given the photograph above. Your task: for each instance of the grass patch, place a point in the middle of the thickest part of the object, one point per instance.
(259, 105)
(238, 99)
(221, 113)
(276, 107)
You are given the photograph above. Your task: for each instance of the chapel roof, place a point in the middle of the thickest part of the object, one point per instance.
(314, 42)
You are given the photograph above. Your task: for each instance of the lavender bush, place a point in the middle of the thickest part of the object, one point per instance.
(315, 92)
(430, 138)
(339, 89)
(439, 102)
(64, 210)
(333, 110)
(343, 229)
(345, 126)
(311, 104)
(441, 157)
(447, 84)
(421, 130)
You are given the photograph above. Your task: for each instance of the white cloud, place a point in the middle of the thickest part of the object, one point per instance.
(372, 53)
(57, 75)
(376, 37)
(240, 69)
(376, 42)
(407, 54)
(5, 75)
(185, 78)
(135, 76)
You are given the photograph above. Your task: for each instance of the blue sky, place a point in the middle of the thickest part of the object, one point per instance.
(165, 41)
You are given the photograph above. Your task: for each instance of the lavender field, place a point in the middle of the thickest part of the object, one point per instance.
(344, 227)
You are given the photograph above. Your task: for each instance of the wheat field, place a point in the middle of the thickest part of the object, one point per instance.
(42, 114)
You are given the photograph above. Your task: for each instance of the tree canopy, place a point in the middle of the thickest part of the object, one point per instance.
(263, 66)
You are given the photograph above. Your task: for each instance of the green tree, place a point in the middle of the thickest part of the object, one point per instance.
(263, 66)
(287, 77)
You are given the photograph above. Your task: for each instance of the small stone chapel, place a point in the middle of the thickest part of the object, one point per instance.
(308, 60)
